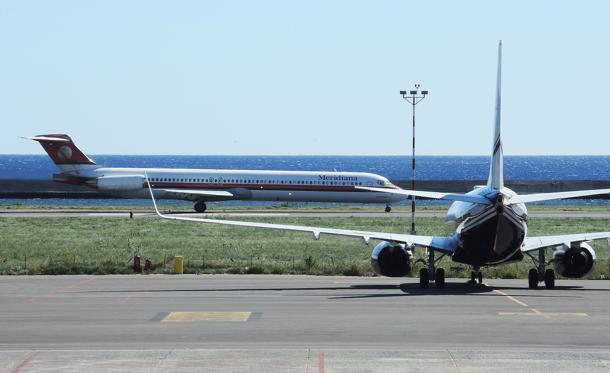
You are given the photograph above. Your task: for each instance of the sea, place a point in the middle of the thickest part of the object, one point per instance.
(393, 167)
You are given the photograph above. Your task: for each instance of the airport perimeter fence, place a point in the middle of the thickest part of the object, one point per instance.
(276, 264)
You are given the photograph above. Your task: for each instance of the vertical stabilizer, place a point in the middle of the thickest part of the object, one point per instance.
(496, 170)
(64, 153)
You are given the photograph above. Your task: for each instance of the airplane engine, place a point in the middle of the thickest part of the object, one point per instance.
(391, 260)
(574, 261)
(116, 183)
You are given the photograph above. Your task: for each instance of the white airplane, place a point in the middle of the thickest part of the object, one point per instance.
(491, 229)
(201, 185)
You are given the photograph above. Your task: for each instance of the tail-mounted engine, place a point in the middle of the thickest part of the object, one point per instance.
(119, 183)
(575, 261)
(391, 260)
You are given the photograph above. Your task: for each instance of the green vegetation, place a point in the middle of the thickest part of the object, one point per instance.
(220, 207)
(107, 245)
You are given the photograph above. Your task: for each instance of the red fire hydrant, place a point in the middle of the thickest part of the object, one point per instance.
(137, 268)
(148, 265)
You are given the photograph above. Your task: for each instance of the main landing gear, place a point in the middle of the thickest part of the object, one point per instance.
(427, 274)
(200, 206)
(388, 208)
(540, 274)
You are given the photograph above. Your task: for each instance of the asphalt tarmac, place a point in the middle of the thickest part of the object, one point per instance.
(244, 323)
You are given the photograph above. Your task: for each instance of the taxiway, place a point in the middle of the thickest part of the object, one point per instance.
(235, 323)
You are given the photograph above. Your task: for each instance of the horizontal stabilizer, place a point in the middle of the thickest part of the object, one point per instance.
(434, 195)
(538, 197)
(46, 138)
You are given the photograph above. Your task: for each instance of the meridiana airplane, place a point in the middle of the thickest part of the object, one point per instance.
(200, 185)
(491, 229)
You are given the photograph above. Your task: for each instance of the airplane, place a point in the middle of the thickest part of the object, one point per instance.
(491, 229)
(201, 185)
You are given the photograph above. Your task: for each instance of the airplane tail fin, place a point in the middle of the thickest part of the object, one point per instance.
(64, 153)
(496, 170)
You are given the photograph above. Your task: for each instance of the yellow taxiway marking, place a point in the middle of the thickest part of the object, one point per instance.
(207, 316)
(547, 315)
(535, 312)
(511, 298)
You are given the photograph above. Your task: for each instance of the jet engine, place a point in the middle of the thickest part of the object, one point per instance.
(574, 261)
(391, 260)
(123, 182)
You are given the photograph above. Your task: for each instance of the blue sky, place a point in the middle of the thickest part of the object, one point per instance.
(309, 77)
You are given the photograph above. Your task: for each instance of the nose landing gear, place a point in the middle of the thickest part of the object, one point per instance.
(476, 276)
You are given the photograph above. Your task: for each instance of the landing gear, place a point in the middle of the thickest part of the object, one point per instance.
(424, 278)
(532, 278)
(431, 273)
(388, 208)
(439, 278)
(540, 274)
(549, 279)
(200, 207)
(476, 276)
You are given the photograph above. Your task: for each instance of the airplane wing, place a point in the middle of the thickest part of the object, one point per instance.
(535, 243)
(525, 198)
(433, 195)
(444, 244)
(195, 193)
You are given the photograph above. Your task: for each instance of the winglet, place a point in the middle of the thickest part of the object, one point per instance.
(496, 170)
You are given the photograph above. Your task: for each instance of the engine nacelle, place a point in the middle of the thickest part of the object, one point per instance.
(574, 261)
(391, 260)
(124, 182)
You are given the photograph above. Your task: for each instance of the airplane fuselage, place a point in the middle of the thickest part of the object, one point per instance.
(296, 186)
(488, 234)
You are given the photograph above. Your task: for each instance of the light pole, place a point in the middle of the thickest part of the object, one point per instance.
(414, 97)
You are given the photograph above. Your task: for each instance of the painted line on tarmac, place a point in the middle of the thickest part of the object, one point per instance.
(24, 362)
(321, 363)
(546, 315)
(534, 311)
(207, 317)
(60, 290)
(510, 297)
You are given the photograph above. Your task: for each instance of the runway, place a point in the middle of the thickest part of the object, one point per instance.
(25, 213)
(239, 323)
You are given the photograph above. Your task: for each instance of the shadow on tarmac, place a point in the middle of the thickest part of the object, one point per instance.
(404, 289)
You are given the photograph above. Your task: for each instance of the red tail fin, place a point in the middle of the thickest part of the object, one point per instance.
(62, 150)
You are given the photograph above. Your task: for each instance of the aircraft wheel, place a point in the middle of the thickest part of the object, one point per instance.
(439, 278)
(480, 277)
(532, 278)
(424, 278)
(549, 279)
(200, 207)
(473, 276)
(388, 208)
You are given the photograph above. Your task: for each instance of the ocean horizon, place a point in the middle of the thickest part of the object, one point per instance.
(40, 167)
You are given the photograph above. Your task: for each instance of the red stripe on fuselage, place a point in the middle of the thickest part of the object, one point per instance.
(300, 187)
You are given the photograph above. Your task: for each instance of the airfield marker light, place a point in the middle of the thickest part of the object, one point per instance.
(414, 98)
